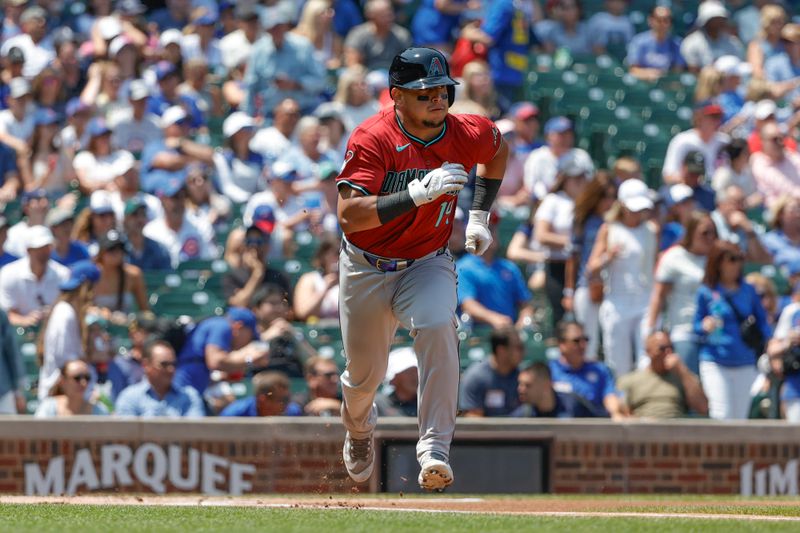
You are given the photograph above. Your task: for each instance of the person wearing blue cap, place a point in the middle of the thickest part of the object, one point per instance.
(63, 333)
(35, 206)
(202, 43)
(169, 78)
(542, 164)
(183, 238)
(227, 343)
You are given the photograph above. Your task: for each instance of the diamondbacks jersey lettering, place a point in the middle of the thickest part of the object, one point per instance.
(382, 158)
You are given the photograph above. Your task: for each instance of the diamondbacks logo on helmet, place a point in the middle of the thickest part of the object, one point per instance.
(436, 68)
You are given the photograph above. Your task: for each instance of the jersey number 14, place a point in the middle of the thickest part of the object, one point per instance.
(444, 213)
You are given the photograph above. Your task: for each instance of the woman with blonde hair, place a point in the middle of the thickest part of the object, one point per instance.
(768, 41)
(354, 97)
(479, 88)
(65, 335)
(625, 249)
(316, 25)
(709, 84)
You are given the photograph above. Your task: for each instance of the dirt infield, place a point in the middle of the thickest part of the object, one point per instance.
(587, 506)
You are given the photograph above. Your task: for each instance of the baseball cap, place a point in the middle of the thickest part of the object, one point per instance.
(505, 126)
(134, 204)
(15, 55)
(569, 165)
(679, 193)
(45, 116)
(791, 33)
(110, 240)
(170, 186)
(634, 195)
(245, 316)
(62, 35)
(284, 170)
(171, 36)
(27, 196)
(138, 90)
(75, 106)
(164, 69)
(80, 273)
(523, 111)
(327, 110)
(100, 202)
(130, 7)
(173, 115)
(33, 13)
(97, 127)
(236, 122)
(19, 87)
(263, 219)
(109, 27)
(709, 10)
(708, 107)
(38, 236)
(400, 360)
(123, 163)
(557, 125)
(245, 11)
(206, 19)
(57, 216)
(730, 65)
(765, 109)
(695, 161)
(275, 17)
(119, 42)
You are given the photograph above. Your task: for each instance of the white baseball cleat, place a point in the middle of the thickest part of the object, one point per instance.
(359, 458)
(436, 474)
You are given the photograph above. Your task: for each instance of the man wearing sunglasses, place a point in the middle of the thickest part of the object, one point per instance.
(157, 395)
(589, 380)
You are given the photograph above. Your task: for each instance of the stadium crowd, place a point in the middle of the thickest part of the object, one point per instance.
(139, 140)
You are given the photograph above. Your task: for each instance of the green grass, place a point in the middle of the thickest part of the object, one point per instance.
(86, 519)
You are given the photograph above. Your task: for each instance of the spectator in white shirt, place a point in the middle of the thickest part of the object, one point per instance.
(97, 166)
(33, 41)
(29, 286)
(35, 207)
(18, 121)
(134, 127)
(235, 47)
(775, 169)
(542, 164)
(272, 142)
(704, 137)
(174, 230)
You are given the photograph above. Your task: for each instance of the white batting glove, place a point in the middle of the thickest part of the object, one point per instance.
(479, 237)
(450, 177)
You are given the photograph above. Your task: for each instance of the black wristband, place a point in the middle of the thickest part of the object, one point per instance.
(393, 205)
(485, 193)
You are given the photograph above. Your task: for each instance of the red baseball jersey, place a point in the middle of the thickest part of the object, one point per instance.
(382, 158)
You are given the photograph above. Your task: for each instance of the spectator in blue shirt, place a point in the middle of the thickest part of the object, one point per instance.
(174, 16)
(5, 257)
(656, 52)
(65, 250)
(168, 80)
(157, 394)
(610, 29)
(270, 398)
(489, 387)
(785, 66)
(591, 381)
(727, 363)
(694, 170)
(539, 399)
(565, 30)
(142, 251)
(282, 65)
(435, 20)
(783, 242)
(507, 32)
(222, 343)
(491, 289)
(10, 182)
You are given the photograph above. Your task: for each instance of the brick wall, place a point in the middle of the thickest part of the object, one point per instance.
(304, 455)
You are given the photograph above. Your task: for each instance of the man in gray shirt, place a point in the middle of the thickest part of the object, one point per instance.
(375, 43)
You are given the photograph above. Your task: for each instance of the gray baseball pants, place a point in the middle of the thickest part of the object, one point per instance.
(421, 298)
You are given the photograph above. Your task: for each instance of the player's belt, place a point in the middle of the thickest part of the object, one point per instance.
(394, 265)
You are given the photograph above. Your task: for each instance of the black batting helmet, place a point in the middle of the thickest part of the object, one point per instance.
(421, 68)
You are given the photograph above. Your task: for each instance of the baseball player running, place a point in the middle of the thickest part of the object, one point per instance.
(398, 188)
